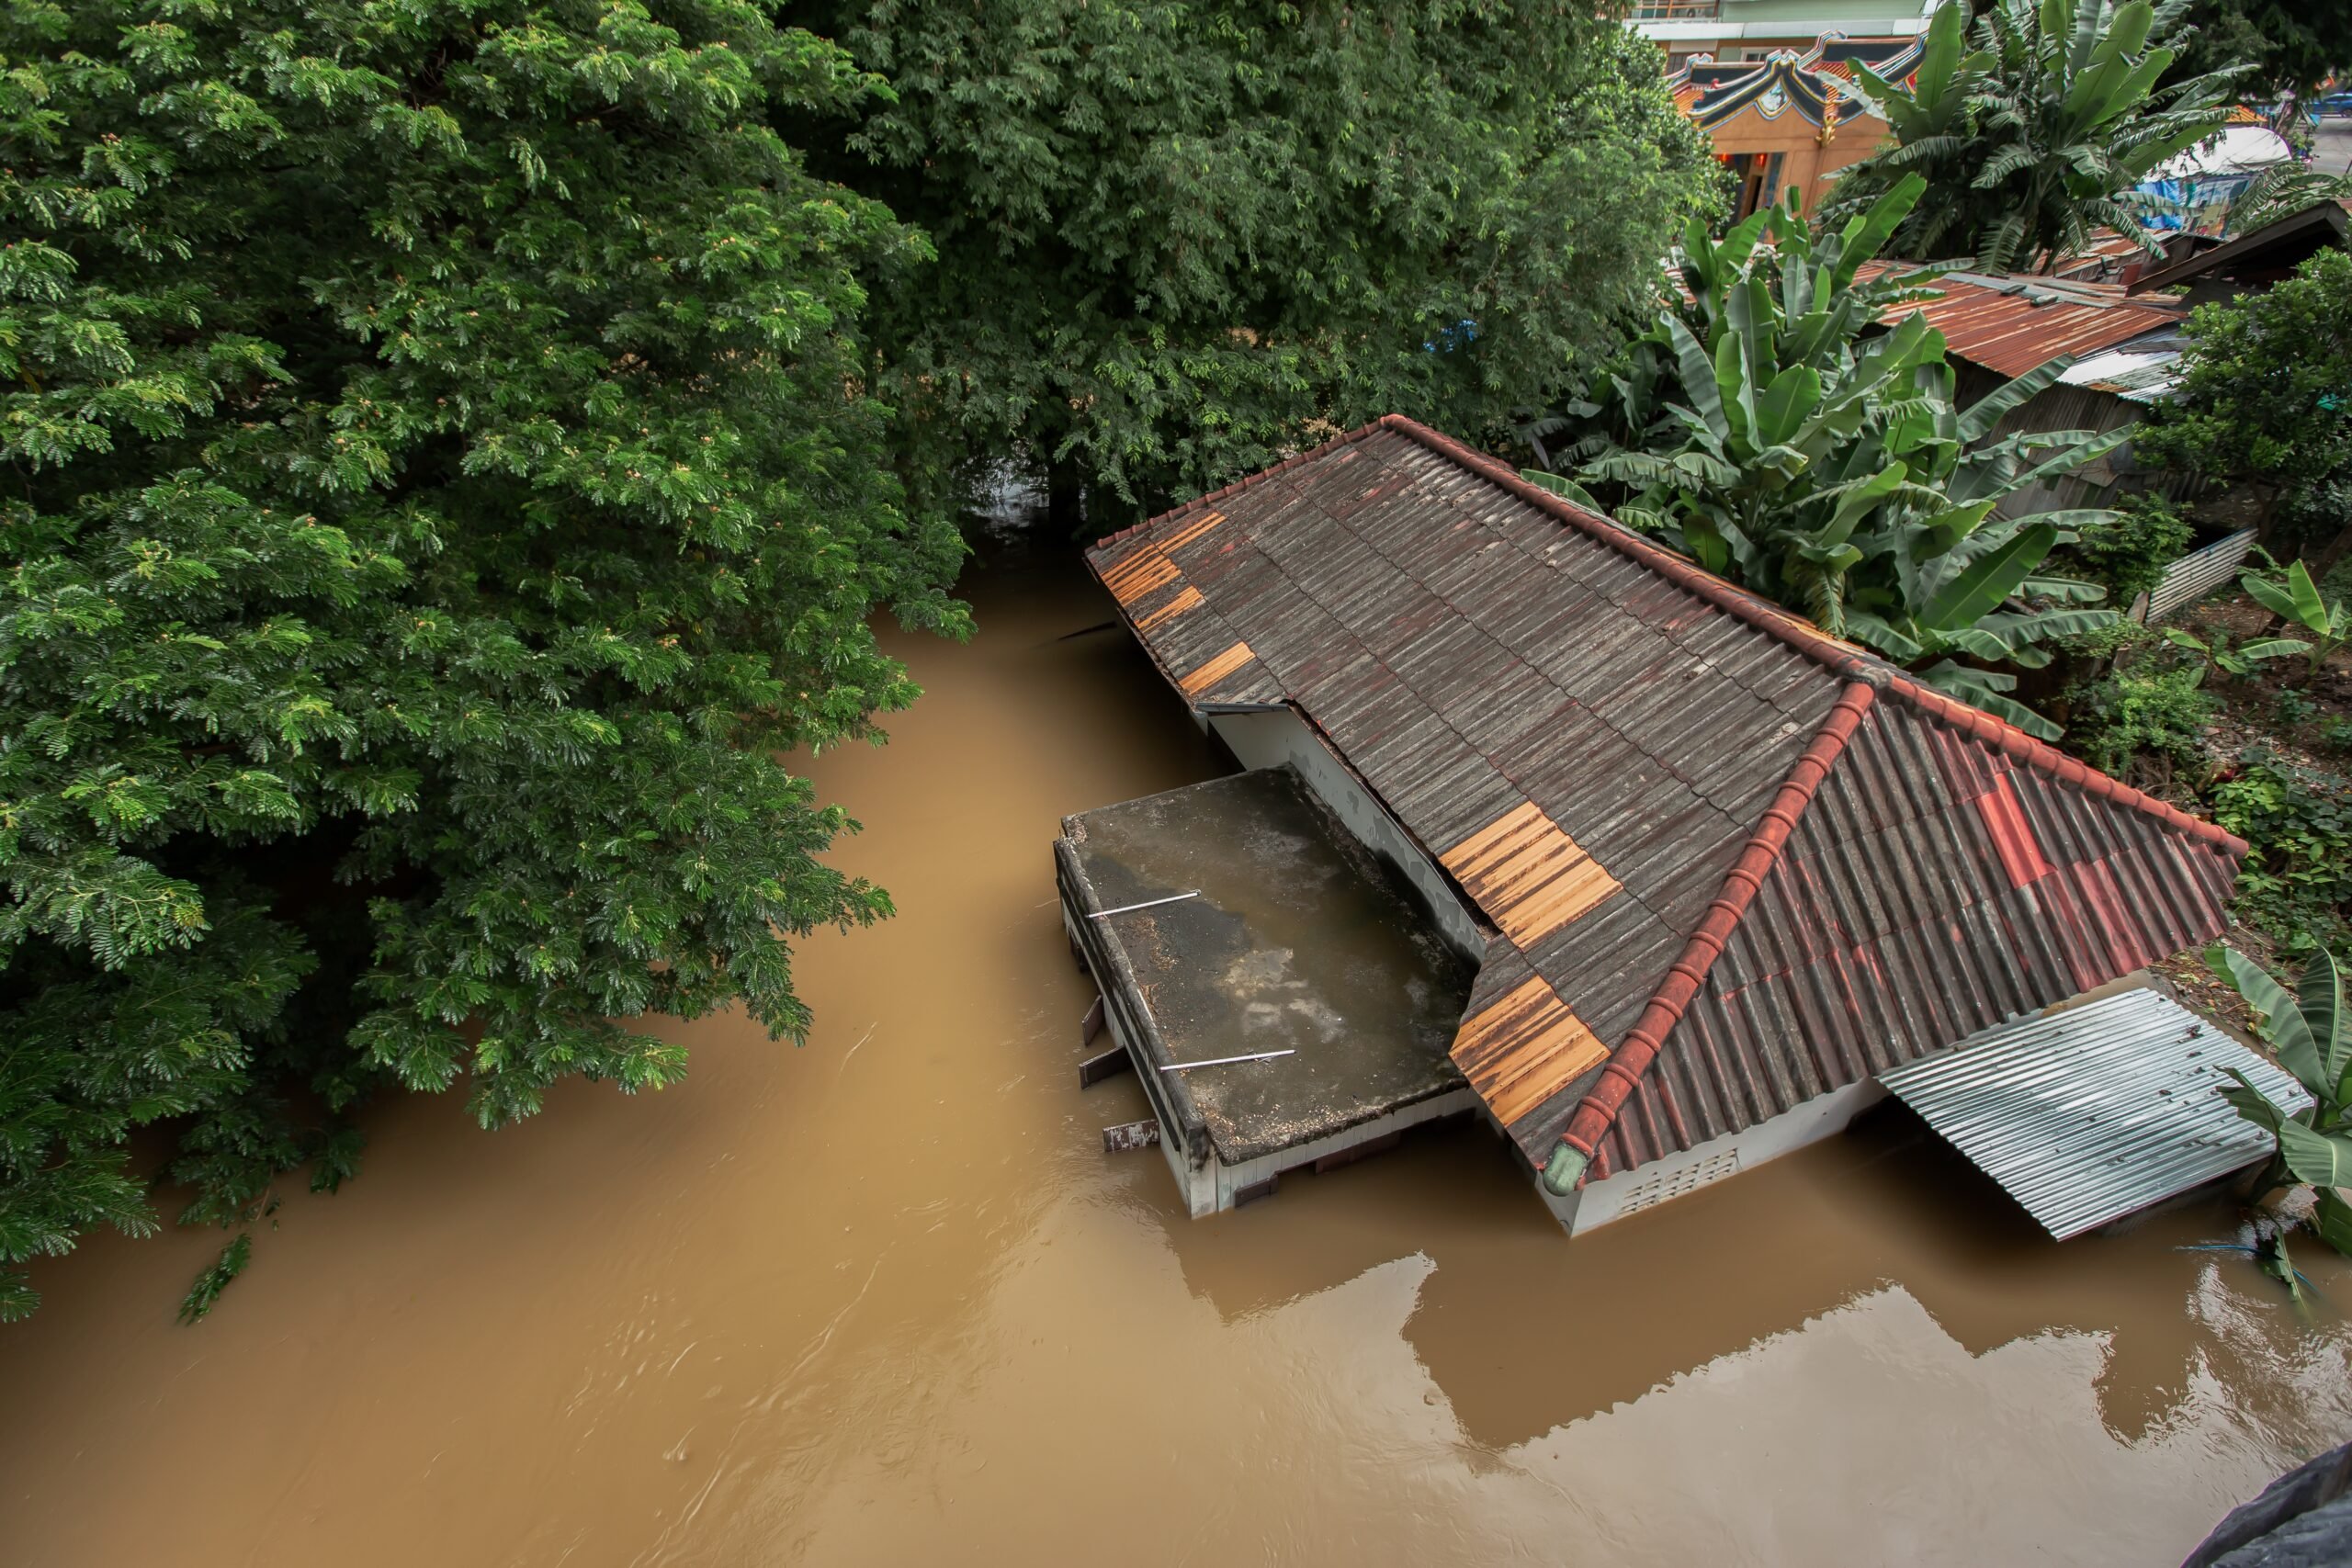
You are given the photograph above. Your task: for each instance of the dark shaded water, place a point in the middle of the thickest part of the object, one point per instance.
(884, 1300)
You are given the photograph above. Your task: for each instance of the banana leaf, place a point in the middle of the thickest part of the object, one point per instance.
(2253, 1105)
(2333, 1220)
(2324, 1159)
(1987, 689)
(2264, 648)
(1989, 579)
(1792, 397)
(1698, 378)
(2278, 1018)
(1864, 237)
(1736, 392)
(1875, 631)
(1558, 485)
(2319, 998)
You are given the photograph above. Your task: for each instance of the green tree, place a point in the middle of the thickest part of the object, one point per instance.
(2266, 399)
(2032, 125)
(1174, 240)
(1770, 431)
(2292, 45)
(438, 482)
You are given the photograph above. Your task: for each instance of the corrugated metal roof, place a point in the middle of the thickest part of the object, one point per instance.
(2141, 371)
(2111, 255)
(1606, 748)
(2016, 323)
(2090, 1114)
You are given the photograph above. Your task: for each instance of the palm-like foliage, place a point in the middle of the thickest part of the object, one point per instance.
(1768, 431)
(2311, 1032)
(2033, 126)
(2296, 600)
(2281, 191)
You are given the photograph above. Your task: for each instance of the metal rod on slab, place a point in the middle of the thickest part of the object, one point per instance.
(1227, 1061)
(1147, 904)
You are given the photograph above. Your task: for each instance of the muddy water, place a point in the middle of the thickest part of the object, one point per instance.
(883, 1300)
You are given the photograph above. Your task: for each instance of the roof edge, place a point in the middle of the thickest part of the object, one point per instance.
(2046, 759)
(1630, 1063)
(2321, 214)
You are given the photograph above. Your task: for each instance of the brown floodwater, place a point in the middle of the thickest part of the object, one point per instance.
(884, 1300)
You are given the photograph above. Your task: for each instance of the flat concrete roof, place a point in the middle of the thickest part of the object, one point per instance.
(1301, 938)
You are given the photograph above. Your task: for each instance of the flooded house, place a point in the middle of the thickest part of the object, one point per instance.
(1540, 820)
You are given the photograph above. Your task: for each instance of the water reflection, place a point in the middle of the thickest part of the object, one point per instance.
(1632, 1307)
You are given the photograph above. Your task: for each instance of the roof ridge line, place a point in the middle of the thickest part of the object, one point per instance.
(1629, 1062)
(1840, 660)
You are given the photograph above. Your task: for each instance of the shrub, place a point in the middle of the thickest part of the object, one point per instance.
(2140, 710)
(2297, 822)
(2130, 554)
(2260, 399)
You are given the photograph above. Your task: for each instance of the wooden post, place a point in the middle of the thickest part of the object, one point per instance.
(1250, 1194)
(1092, 1025)
(1110, 1063)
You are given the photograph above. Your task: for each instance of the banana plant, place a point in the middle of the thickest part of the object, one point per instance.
(2237, 662)
(2298, 602)
(2035, 122)
(1773, 430)
(2310, 1032)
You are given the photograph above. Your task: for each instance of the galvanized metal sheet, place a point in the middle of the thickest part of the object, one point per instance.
(2199, 572)
(2090, 1114)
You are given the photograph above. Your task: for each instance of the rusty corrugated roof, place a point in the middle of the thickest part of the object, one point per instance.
(1725, 861)
(2111, 255)
(2011, 324)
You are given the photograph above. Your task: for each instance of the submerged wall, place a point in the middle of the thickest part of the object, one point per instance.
(1644, 1187)
(1267, 738)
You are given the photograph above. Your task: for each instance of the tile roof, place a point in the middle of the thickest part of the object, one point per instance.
(1725, 861)
(2011, 324)
(1818, 83)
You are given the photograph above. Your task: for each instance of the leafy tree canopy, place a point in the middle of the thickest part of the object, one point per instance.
(2265, 399)
(2032, 125)
(439, 478)
(1173, 236)
(2292, 45)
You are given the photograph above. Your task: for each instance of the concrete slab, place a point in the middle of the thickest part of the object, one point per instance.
(1300, 939)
